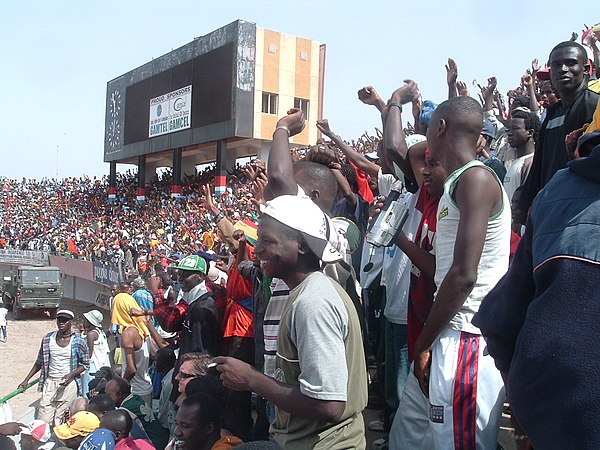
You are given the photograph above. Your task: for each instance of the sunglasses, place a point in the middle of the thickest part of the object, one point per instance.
(184, 275)
(184, 375)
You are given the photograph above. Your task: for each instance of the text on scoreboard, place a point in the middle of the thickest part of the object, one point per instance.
(171, 112)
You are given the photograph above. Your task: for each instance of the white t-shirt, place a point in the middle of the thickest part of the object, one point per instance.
(366, 278)
(397, 266)
(3, 313)
(516, 173)
(319, 308)
(386, 182)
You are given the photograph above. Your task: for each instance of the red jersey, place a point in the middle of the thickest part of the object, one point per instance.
(422, 288)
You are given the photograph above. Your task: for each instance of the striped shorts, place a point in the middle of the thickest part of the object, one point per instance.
(464, 407)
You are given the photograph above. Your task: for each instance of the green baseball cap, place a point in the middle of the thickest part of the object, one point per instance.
(192, 263)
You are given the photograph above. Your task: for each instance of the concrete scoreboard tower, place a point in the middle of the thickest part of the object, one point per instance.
(216, 98)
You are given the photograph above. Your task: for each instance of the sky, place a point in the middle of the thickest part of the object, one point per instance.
(58, 57)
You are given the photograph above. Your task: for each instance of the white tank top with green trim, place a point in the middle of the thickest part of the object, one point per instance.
(494, 257)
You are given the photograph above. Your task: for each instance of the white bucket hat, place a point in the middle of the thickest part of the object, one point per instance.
(95, 317)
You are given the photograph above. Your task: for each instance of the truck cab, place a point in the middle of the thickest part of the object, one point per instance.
(32, 288)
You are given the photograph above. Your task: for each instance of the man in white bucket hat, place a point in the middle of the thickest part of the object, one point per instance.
(97, 344)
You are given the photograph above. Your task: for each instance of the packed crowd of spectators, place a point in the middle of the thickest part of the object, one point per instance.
(73, 216)
(246, 320)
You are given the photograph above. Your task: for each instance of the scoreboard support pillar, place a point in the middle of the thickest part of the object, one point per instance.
(112, 182)
(141, 180)
(221, 176)
(176, 186)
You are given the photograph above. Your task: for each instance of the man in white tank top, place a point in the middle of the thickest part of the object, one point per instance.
(62, 358)
(135, 345)
(136, 364)
(453, 398)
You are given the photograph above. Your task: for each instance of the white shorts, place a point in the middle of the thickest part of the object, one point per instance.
(464, 407)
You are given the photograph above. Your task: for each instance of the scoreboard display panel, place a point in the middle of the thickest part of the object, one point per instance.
(198, 93)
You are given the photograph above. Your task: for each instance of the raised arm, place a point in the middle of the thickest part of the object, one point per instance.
(394, 141)
(451, 77)
(224, 225)
(242, 254)
(369, 96)
(258, 191)
(487, 93)
(280, 166)
(358, 159)
(498, 101)
(462, 88)
(416, 112)
(528, 81)
(343, 185)
(594, 46)
(326, 156)
(535, 67)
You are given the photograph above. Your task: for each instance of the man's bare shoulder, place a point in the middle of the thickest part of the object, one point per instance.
(130, 337)
(477, 182)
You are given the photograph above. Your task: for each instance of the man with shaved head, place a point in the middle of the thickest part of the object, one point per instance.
(119, 422)
(318, 183)
(101, 404)
(455, 392)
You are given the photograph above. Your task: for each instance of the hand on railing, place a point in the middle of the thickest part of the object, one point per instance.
(18, 391)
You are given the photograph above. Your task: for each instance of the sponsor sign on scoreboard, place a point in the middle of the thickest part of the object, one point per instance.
(171, 112)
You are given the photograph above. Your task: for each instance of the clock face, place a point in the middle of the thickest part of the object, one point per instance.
(114, 105)
(114, 133)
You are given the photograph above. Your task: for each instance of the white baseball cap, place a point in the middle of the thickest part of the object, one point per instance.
(300, 213)
(65, 313)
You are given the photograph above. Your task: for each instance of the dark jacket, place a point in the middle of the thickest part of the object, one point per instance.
(201, 330)
(541, 320)
(551, 152)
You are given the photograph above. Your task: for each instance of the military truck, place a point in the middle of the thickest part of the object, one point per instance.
(32, 288)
